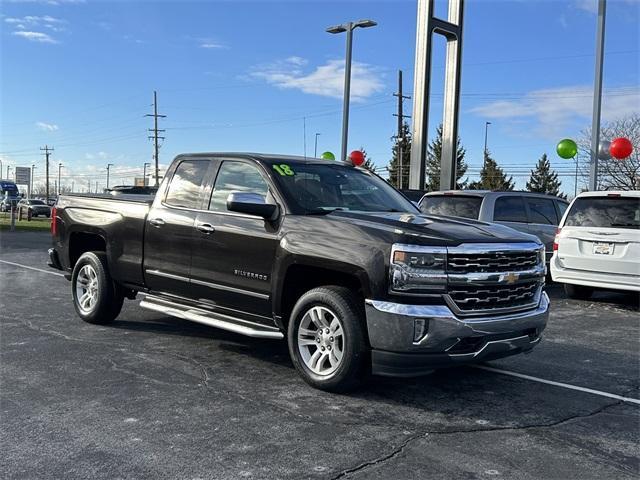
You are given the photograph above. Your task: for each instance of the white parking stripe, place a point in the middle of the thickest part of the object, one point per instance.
(32, 268)
(559, 384)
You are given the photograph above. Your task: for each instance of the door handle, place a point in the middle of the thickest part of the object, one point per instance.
(157, 222)
(206, 228)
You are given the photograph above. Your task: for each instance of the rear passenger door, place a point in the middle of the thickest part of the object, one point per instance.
(510, 210)
(543, 220)
(170, 228)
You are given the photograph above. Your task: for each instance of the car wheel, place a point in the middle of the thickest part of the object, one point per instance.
(327, 340)
(578, 292)
(96, 297)
(47, 215)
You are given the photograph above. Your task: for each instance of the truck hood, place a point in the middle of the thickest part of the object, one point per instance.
(428, 229)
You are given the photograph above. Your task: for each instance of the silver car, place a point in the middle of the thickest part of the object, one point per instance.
(534, 213)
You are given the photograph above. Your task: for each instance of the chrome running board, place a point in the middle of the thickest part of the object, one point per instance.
(212, 319)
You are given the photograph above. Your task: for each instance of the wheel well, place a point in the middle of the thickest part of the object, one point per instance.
(301, 278)
(82, 242)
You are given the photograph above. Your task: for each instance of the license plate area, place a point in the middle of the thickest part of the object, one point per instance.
(603, 248)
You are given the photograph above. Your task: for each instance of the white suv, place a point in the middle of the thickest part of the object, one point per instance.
(598, 244)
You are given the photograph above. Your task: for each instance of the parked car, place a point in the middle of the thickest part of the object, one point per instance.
(324, 254)
(9, 195)
(598, 244)
(36, 207)
(534, 213)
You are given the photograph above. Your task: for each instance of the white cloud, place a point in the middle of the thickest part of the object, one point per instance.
(213, 45)
(554, 108)
(47, 127)
(35, 36)
(326, 80)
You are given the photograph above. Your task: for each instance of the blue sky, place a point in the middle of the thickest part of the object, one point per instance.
(242, 76)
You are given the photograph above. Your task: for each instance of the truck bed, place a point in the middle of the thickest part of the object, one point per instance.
(112, 217)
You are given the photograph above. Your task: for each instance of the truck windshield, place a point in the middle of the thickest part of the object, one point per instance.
(607, 212)
(465, 206)
(315, 188)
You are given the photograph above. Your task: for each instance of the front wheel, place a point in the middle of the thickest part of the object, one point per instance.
(327, 340)
(96, 298)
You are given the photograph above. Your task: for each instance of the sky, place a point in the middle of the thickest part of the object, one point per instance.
(257, 75)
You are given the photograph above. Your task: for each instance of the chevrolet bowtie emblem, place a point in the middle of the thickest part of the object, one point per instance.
(510, 277)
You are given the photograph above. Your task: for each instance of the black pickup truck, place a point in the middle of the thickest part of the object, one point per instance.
(322, 253)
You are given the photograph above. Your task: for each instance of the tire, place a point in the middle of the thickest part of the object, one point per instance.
(334, 309)
(578, 292)
(91, 276)
(47, 215)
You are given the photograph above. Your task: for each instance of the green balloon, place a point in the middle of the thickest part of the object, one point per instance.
(567, 148)
(328, 156)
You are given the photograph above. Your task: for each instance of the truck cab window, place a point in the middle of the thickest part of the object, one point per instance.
(185, 189)
(542, 210)
(236, 177)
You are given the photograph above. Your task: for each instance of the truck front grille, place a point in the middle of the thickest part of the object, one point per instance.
(481, 298)
(491, 262)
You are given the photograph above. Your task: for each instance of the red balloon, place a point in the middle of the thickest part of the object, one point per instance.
(356, 157)
(620, 148)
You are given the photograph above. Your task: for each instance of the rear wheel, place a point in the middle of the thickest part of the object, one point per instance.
(578, 292)
(96, 298)
(327, 340)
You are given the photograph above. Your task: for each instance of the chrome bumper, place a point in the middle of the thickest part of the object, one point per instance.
(448, 339)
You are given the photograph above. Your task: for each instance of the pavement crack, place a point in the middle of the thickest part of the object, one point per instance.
(394, 453)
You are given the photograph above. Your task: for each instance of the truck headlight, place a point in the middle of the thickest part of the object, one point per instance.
(415, 269)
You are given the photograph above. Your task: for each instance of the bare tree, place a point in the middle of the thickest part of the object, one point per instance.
(615, 174)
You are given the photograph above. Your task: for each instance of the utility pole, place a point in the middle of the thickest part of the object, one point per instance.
(59, 171)
(109, 165)
(484, 154)
(315, 146)
(47, 152)
(155, 130)
(400, 137)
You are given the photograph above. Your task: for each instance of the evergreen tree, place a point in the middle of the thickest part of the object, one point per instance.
(492, 177)
(368, 162)
(543, 179)
(394, 165)
(434, 156)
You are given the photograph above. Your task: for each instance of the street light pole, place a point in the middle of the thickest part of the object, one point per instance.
(8, 168)
(109, 165)
(597, 96)
(315, 146)
(348, 28)
(33, 167)
(484, 155)
(59, 170)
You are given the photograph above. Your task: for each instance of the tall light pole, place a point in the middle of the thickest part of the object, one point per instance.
(348, 27)
(484, 154)
(144, 173)
(597, 96)
(315, 146)
(33, 167)
(59, 171)
(109, 165)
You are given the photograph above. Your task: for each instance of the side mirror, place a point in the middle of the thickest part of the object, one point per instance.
(251, 204)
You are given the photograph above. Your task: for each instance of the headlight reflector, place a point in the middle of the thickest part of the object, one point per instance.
(416, 269)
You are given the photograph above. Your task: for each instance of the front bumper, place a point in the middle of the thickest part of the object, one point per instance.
(449, 339)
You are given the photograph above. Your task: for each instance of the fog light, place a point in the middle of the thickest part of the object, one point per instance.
(420, 329)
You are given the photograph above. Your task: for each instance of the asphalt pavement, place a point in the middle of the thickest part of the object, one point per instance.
(151, 396)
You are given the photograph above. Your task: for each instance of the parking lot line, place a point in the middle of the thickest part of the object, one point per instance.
(32, 268)
(559, 384)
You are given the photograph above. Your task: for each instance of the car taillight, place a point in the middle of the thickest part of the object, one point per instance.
(54, 222)
(556, 239)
